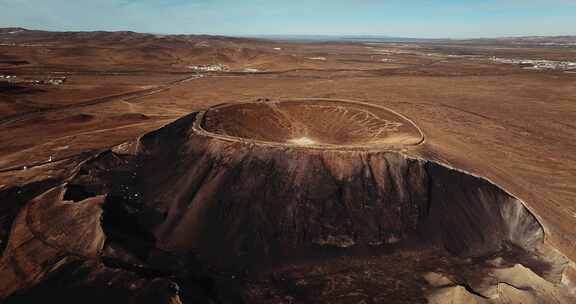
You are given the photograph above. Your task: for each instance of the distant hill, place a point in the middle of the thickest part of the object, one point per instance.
(118, 49)
(30, 36)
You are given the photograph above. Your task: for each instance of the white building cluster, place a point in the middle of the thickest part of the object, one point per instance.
(23, 44)
(56, 81)
(538, 64)
(209, 68)
(47, 81)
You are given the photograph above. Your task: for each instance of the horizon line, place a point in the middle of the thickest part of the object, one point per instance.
(296, 35)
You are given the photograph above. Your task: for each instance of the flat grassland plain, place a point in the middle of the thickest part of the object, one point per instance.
(504, 110)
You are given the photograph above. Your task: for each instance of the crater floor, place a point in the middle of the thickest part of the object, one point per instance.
(311, 123)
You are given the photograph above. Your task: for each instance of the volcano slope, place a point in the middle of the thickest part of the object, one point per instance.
(304, 200)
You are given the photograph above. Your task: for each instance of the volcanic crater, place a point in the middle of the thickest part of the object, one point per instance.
(285, 188)
(322, 123)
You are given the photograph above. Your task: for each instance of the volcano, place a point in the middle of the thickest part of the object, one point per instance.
(253, 197)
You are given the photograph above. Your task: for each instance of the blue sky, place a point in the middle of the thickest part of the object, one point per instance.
(408, 18)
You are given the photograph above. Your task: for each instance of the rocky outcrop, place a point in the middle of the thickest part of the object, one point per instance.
(14, 199)
(48, 234)
(511, 285)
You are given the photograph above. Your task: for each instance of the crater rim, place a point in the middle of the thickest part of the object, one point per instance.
(416, 135)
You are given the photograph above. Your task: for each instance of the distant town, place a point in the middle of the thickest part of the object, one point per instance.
(538, 64)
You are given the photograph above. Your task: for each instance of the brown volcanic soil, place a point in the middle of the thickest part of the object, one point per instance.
(512, 126)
